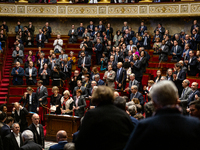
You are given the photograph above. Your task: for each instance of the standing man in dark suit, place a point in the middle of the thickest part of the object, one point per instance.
(40, 38)
(194, 25)
(176, 51)
(146, 40)
(98, 49)
(185, 95)
(84, 91)
(74, 79)
(132, 82)
(5, 26)
(84, 62)
(164, 123)
(29, 144)
(37, 130)
(90, 27)
(136, 94)
(17, 73)
(79, 103)
(169, 75)
(191, 63)
(136, 68)
(73, 35)
(47, 30)
(42, 93)
(101, 27)
(13, 141)
(127, 37)
(178, 77)
(5, 130)
(160, 29)
(31, 74)
(41, 61)
(120, 77)
(61, 138)
(124, 27)
(195, 39)
(88, 47)
(80, 30)
(107, 119)
(141, 29)
(112, 63)
(195, 94)
(19, 114)
(19, 26)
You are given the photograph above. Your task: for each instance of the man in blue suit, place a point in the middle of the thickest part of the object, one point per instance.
(98, 80)
(19, 26)
(191, 63)
(61, 138)
(80, 30)
(127, 37)
(195, 39)
(141, 29)
(31, 73)
(101, 27)
(5, 130)
(195, 93)
(168, 125)
(186, 51)
(41, 61)
(90, 27)
(120, 76)
(176, 51)
(98, 49)
(17, 73)
(47, 29)
(40, 38)
(136, 94)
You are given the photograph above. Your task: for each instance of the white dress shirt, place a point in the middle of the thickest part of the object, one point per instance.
(17, 137)
(30, 99)
(37, 128)
(58, 43)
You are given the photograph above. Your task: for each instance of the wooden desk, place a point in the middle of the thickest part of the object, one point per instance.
(58, 122)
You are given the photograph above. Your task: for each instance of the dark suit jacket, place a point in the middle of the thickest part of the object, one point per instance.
(154, 38)
(31, 145)
(192, 96)
(127, 39)
(178, 52)
(47, 76)
(21, 119)
(192, 66)
(103, 122)
(100, 82)
(178, 82)
(10, 142)
(34, 74)
(88, 27)
(162, 30)
(39, 139)
(166, 123)
(139, 30)
(195, 42)
(44, 61)
(139, 96)
(89, 48)
(114, 66)
(102, 28)
(99, 48)
(81, 105)
(87, 62)
(5, 130)
(43, 95)
(156, 79)
(35, 102)
(192, 27)
(143, 64)
(59, 146)
(48, 31)
(42, 40)
(136, 69)
(17, 78)
(81, 31)
(83, 89)
(122, 77)
(148, 46)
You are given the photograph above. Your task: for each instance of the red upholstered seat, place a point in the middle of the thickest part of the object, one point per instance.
(145, 79)
(14, 99)
(151, 71)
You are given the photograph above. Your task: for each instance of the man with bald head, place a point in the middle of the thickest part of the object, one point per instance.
(37, 130)
(168, 125)
(19, 114)
(17, 73)
(61, 138)
(120, 76)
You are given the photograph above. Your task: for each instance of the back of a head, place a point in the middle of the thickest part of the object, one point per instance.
(120, 102)
(164, 93)
(27, 135)
(132, 109)
(102, 95)
(9, 119)
(2, 116)
(69, 146)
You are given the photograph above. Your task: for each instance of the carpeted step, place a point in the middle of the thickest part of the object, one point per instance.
(4, 85)
(5, 76)
(6, 70)
(5, 80)
(3, 94)
(4, 89)
(6, 73)
(2, 102)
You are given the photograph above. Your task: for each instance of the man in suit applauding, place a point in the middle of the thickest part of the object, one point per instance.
(84, 92)
(17, 73)
(42, 93)
(98, 80)
(109, 76)
(98, 49)
(13, 141)
(176, 51)
(40, 38)
(120, 76)
(136, 94)
(73, 35)
(185, 95)
(167, 122)
(61, 138)
(19, 114)
(84, 61)
(195, 94)
(31, 73)
(29, 144)
(37, 130)
(132, 82)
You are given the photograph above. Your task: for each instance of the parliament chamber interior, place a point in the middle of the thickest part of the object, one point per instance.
(99, 74)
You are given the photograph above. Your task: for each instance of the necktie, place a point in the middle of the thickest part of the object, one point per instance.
(39, 90)
(183, 93)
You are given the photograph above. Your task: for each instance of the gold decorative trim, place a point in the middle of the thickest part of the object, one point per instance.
(142, 10)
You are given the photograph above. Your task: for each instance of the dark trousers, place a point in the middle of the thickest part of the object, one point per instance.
(30, 82)
(98, 57)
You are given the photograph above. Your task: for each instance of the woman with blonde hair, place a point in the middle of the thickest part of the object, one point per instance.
(72, 59)
(32, 100)
(55, 101)
(66, 103)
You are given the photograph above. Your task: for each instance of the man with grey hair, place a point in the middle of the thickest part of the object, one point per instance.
(132, 82)
(58, 43)
(195, 94)
(29, 144)
(163, 78)
(168, 125)
(185, 95)
(13, 141)
(98, 80)
(69, 146)
(136, 94)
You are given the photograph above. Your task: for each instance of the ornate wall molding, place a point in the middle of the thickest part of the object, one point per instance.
(180, 9)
